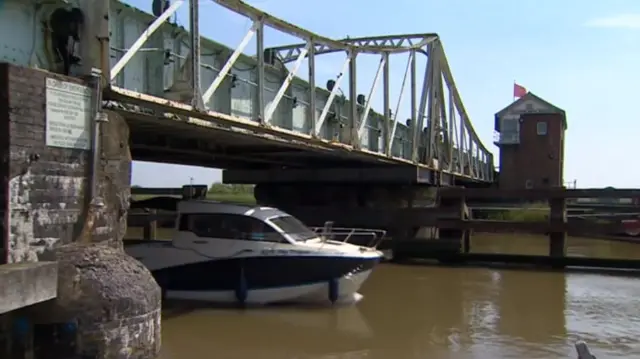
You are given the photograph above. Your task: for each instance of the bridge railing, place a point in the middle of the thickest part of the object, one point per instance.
(438, 133)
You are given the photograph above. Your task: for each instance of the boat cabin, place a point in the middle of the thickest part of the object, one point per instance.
(211, 219)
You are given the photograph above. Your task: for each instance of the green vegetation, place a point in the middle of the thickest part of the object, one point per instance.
(534, 212)
(240, 193)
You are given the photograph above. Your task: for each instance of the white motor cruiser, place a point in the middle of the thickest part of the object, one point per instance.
(235, 253)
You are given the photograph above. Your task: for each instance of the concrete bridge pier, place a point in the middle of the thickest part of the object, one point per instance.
(63, 209)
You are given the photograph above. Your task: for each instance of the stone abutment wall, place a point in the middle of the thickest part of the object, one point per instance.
(46, 140)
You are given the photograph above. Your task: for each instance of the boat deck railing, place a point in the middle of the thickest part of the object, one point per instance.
(367, 237)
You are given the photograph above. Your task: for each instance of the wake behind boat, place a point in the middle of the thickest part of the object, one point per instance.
(234, 253)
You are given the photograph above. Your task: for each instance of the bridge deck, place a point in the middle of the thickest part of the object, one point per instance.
(253, 111)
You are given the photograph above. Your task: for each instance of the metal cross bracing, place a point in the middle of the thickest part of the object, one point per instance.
(439, 134)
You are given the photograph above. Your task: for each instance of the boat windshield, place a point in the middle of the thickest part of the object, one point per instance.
(294, 228)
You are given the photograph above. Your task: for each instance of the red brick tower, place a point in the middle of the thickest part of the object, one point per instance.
(530, 135)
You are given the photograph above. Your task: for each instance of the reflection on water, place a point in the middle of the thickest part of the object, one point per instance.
(430, 312)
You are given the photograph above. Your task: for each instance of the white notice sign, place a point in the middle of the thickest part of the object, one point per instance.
(68, 115)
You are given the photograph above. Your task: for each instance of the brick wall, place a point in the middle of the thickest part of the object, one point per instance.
(537, 159)
(46, 187)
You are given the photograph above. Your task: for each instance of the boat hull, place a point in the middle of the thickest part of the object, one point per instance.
(313, 293)
(258, 276)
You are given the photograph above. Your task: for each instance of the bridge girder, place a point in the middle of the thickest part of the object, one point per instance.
(440, 134)
(391, 44)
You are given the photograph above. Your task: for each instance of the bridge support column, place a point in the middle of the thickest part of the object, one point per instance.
(316, 195)
(332, 198)
(384, 189)
(107, 304)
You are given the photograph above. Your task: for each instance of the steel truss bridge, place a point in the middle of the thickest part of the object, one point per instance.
(191, 100)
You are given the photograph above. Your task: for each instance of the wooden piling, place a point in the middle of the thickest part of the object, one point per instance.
(150, 229)
(557, 238)
(458, 206)
(466, 242)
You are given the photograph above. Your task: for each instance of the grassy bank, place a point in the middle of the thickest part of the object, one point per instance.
(535, 212)
(221, 192)
(224, 197)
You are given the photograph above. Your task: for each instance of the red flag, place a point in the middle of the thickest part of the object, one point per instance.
(518, 91)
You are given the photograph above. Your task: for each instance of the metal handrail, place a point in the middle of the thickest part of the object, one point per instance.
(328, 232)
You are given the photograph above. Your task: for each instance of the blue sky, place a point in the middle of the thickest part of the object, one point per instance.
(582, 56)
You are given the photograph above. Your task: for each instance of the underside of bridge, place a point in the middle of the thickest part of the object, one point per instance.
(183, 143)
(250, 159)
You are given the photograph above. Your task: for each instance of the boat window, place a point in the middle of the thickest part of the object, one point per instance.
(292, 226)
(229, 226)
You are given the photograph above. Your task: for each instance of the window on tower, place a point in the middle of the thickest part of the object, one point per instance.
(541, 128)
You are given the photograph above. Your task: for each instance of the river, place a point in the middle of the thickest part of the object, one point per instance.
(417, 311)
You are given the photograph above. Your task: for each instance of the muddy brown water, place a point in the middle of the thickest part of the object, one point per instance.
(436, 312)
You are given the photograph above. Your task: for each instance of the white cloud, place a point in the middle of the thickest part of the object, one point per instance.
(623, 21)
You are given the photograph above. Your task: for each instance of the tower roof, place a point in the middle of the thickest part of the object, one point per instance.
(529, 103)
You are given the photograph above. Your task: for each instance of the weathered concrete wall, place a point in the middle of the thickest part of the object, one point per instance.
(4, 168)
(109, 299)
(48, 186)
(40, 277)
(114, 184)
